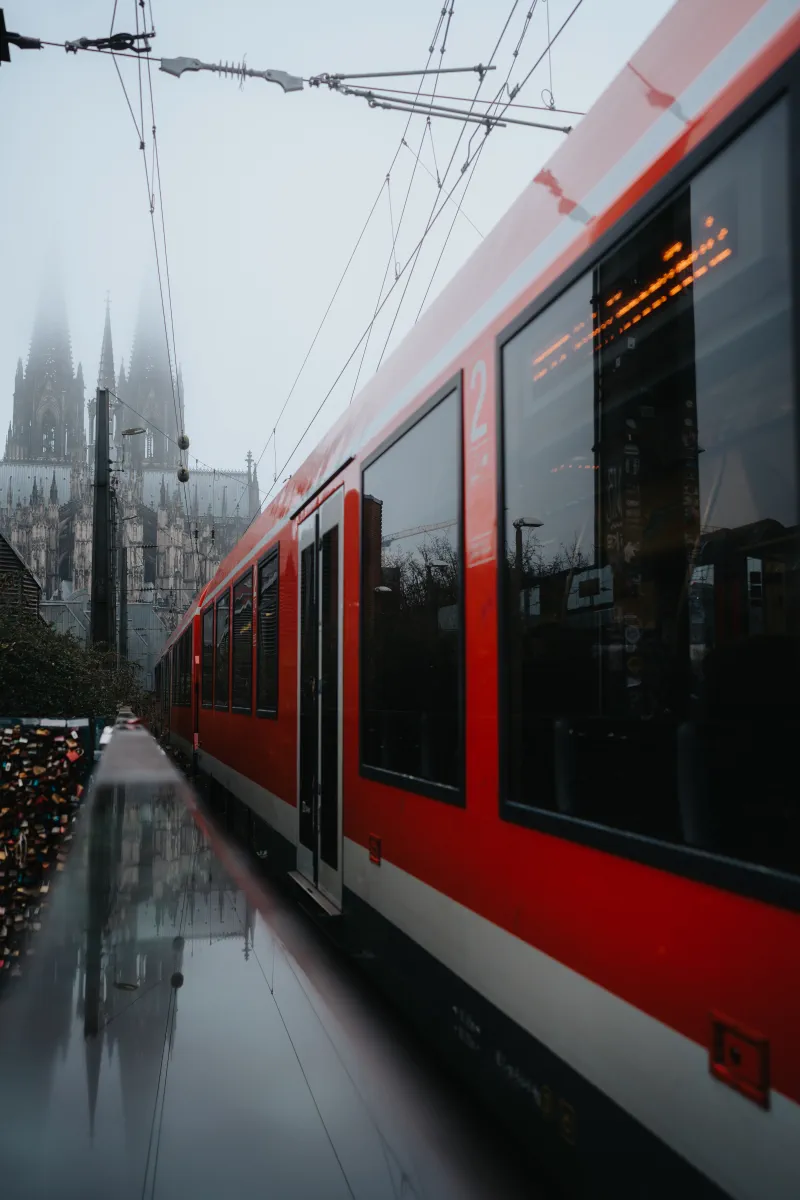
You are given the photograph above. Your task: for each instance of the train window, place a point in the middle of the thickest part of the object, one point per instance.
(242, 645)
(181, 652)
(411, 658)
(187, 685)
(268, 597)
(208, 657)
(222, 656)
(175, 686)
(651, 574)
(185, 669)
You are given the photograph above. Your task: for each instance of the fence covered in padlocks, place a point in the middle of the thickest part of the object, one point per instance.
(44, 768)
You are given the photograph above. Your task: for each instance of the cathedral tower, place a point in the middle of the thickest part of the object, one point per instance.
(152, 390)
(47, 423)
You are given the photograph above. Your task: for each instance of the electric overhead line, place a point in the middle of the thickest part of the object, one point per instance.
(426, 130)
(337, 289)
(126, 45)
(512, 93)
(448, 169)
(122, 45)
(487, 120)
(429, 172)
(177, 400)
(503, 88)
(568, 112)
(198, 461)
(132, 41)
(473, 155)
(355, 349)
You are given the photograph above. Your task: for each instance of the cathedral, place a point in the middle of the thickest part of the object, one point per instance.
(175, 534)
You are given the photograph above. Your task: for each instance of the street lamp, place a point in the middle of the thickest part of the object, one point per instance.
(436, 564)
(133, 431)
(520, 524)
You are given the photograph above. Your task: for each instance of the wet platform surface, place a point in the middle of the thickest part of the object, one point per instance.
(179, 1031)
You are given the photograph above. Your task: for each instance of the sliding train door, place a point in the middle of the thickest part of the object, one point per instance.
(319, 807)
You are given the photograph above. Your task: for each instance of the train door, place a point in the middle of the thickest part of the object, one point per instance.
(319, 807)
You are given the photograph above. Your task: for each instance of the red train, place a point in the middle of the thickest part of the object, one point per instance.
(507, 672)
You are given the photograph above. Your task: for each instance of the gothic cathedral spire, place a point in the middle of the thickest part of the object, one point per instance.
(47, 422)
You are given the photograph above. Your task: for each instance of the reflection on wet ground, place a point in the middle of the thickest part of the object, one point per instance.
(180, 1031)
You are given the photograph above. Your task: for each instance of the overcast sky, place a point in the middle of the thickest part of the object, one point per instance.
(264, 193)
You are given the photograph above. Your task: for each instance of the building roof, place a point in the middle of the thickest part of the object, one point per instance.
(23, 475)
(9, 556)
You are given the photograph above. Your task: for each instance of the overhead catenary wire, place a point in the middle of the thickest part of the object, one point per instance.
(140, 134)
(445, 176)
(395, 233)
(472, 158)
(567, 112)
(201, 462)
(446, 112)
(503, 88)
(272, 436)
(465, 215)
(355, 349)
(513, 92)
(151, 205)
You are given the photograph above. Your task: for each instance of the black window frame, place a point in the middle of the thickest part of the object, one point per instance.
(218, 705)
(247, 709)
(748, 879)
(182, 670)
(266, 560)
(184, 677)
(455, 796)
(211, 610)
(189, 663)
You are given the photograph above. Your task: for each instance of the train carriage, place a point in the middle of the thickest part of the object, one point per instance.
(507, 670)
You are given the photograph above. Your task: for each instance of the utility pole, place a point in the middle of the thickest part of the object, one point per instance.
(101, 621)
(123, 598)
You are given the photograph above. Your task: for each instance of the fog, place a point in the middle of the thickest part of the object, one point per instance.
(264, 193)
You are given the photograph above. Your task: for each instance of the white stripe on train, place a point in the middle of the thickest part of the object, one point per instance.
(657, 1075)
(654, 1073)
(750, 40)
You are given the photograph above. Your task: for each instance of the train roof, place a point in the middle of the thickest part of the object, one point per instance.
(655, 102)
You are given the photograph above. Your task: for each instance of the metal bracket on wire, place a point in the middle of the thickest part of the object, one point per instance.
(334, 81)
(117, 43)
(425, 109)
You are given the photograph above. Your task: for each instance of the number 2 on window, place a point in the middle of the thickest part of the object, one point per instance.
(478, 372)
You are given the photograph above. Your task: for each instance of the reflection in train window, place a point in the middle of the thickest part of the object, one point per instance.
(242, 645)
(182, 677)
(268, 601)
(186, 667)
(222, 658)
(208, 657)
(411, 566)
(652, 606)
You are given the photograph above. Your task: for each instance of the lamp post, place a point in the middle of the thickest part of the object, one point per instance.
(123, 569)
(520, 524)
